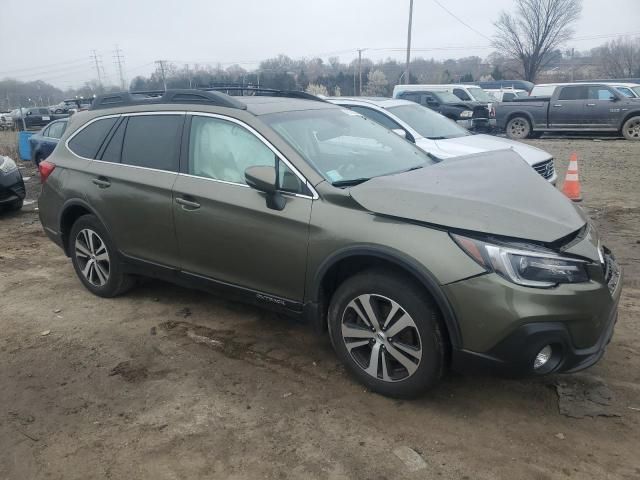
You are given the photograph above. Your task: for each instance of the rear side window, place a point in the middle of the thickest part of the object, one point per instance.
(461, 94)
(88, 141)
(114, 147)
(56, 129)
(573, 93)
(153, 141)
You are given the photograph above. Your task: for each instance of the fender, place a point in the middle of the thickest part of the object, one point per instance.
(627, 116)
(403, 261)
(76, 202)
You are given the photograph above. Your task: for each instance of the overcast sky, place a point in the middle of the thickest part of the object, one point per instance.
(53, 40)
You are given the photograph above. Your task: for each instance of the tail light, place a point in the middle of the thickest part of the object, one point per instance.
(46, 169)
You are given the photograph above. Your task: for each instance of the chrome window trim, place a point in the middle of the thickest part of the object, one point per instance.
(314, 194)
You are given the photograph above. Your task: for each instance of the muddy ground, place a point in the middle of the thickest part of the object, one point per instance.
(167, 383)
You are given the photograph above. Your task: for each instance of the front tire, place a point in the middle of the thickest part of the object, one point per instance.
(387, 332)
(518, 128)
(95, 258)
(631, 129)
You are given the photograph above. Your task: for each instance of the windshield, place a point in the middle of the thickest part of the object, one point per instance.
(522, 94)
(479, 94)
(446, 97)
(428, 123)
(345, 147)
(637, 90)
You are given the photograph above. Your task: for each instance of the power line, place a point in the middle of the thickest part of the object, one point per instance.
(460, 20)
(57, 64)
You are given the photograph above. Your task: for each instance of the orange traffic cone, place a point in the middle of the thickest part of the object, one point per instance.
(571, 185)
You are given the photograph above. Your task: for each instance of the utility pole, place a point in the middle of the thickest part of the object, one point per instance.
(94, 57)
(360, 50)
(164, 79)
(407, 74)
(186, 67)
(119, 60)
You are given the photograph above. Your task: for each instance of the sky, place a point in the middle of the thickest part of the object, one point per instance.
(54, 40)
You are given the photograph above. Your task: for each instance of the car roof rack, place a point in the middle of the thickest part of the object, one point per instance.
(261, 91)
(153, 97)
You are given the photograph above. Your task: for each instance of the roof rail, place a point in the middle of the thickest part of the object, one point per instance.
(189, 96)
(257, 91)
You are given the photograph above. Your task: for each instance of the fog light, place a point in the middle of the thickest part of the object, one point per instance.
(542, 357)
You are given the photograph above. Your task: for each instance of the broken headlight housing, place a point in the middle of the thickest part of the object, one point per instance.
(524, 265)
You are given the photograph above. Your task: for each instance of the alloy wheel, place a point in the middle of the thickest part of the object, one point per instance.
(92, 257)
(381, 337)
(633, 129)
(518, 128)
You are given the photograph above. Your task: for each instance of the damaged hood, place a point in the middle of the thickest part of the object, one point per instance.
(493, 192)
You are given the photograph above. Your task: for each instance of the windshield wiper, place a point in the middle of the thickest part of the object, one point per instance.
(437, 138)
(349, 183)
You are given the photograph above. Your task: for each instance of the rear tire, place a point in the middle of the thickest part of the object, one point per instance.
(95, 258)
(406, 345)
(518, 128)
(631, 129)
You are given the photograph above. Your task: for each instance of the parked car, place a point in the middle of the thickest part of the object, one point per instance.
(469, 114)
(34, 117)
(576, 107)
(315, 211)
(12, 191)
(438, 135)
(506, 94)
(498, 84)
(43, 142)
(6, 121)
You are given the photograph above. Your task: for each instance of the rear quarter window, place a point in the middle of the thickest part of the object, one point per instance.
(89, 139)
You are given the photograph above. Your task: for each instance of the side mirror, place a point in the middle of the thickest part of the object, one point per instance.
(263, 179)
(400, 132)
(613, 98)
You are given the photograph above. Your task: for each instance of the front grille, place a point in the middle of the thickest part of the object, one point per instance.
(611, 270)
(546, 168)
(480, 112)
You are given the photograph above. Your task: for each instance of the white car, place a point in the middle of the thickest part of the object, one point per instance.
(506, 94)
(439, 136)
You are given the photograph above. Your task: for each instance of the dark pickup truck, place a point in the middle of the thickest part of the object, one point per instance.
(571, 108)
(467, 113)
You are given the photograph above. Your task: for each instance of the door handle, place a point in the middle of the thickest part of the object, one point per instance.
(187, 204)
(557, 105)
(101, 182)
(591, 104)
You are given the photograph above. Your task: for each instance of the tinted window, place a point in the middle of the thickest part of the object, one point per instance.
(56, 129)
(428, 123)
(573, 93)
(507, 97)
(89, 140)
(153, 141)
(114, 148)
(600, 93)
(223, 150)
(461, 94)
(376, 116)
(627, 92)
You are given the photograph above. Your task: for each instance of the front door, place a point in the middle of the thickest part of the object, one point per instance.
(226, 232)
(601, 109)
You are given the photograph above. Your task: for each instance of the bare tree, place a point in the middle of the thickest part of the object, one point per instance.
(377, 84)
(619, 58)
(535, 29)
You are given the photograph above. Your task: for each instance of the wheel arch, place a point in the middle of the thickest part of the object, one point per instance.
(635, 113)
(331, 273)
(69, 213)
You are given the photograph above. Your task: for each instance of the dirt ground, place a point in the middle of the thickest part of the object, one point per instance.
(167, 383)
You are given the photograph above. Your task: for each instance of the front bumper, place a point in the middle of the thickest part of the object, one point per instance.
(11, 187)
(504, 326)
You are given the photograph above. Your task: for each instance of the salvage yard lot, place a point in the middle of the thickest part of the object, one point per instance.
(167, 383)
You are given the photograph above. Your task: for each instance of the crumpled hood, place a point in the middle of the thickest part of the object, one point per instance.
(493, 192)
(454, 147)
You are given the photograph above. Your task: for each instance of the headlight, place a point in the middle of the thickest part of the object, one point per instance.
(466, 114)
(519, 265)
(7, 165)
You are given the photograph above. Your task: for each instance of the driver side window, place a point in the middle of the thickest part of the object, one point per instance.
(222, 150)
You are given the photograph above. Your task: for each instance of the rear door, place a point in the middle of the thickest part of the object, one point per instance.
(226, 232)
(132, 179)
(567, 109)
(600, 109)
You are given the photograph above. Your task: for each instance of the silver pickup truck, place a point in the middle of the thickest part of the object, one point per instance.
(580, 107)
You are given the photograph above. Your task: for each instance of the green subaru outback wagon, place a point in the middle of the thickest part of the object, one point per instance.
(413, 265)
